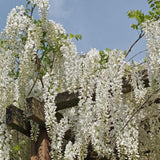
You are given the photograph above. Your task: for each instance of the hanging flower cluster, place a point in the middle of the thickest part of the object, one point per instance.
(43, 6)
(152, 33)
(138, 85)
(6, 91)
(40, 60)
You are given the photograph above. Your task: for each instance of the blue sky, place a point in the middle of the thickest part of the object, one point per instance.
(102, 23)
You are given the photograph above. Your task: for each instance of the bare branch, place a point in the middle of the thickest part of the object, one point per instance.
(113, 138)
(139, 108)
(137, 54)
(140, 36)
(32, 9)
(33, 86)
(39, 76)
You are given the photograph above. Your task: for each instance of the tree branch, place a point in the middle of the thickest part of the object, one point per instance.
(32, 9)
(140, 36)
(39, 76)
(137, 54)
(139, 108)
(33, 86)
(113, 138)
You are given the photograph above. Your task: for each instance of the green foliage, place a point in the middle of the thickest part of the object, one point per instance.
(76, 36)
(29, 8)
(125, 52)
(104, 58)
(16, 149)
(132, 63)
(47, 49)
(20, 146)
(141, 17)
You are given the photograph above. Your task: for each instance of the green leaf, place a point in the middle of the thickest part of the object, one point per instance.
(151, 13)
(22, 143)
(132, 63)
(80, 36)
(76, 36)
(150, 1)
(101, 53)
(158, 6)
(42, 72)
(134, 26)
(154, 9)
(158, 12)
(108, 49)
(106, 59)
(17, 148)
(16, 55)
(157, 2)
(71, 35)
(24, 39)
(131, 14)
(125, 52)
(152, 5)
(156, 17)
(147, 17)
(28, 3)
(17, 73)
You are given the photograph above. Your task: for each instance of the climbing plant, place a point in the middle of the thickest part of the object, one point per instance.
(39, 59)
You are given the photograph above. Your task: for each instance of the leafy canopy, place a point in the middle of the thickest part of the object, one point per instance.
(140, 17)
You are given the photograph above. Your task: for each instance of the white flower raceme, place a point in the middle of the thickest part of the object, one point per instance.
(138, 85)
(43, 6)
(152, 33)
(70, 153)
(27, 64)
(38, 59)
(4, 142)
(61, 77)
(128, 142)
(6, 98)
(17, 22)
(66, 58)
(87, 82)
(56, 130)
(108, 99)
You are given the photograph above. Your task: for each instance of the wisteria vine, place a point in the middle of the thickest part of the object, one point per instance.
(38, 58)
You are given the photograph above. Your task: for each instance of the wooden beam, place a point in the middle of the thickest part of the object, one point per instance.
(33, 151)
(40, 150)
(35, 108)
(35, 111)
(66, 100)
(15, 119)
(43, 145)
